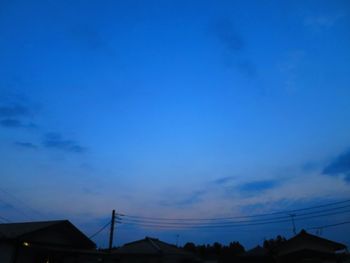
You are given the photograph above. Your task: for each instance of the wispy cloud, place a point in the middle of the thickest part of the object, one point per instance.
(16, 123)
(247, 67)
(311, 166)
(228, 35)
(255, 187)
(89, 37)
(322, 21)
(14, 111)
(90, 191)
(191, 199)
(234, 47)
(11, 123)
(224, 180)
(290, 69)
(27, 145)
(6, 206)
(56, 141)
(339, 166)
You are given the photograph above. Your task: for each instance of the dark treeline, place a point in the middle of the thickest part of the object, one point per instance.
(272, 245)
(216, 251)
(227, 253)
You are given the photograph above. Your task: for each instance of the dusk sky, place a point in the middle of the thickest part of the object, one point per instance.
(174, 109)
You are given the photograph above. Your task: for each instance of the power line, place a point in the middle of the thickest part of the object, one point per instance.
(331, 225)
(223, 222)
(229, 230)
(100, 230)
(247, 230)
(237, 217)
(229, 225)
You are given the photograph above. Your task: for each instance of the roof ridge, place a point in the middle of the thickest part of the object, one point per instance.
(154, 244)
(305, 234)
(36, 222)
(135, 241)
(22, 230)
(167, 244)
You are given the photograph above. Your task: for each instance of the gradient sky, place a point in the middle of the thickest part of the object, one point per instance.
(174, 109)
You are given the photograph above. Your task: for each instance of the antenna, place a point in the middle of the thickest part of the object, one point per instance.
(293, 223)
(319, 231)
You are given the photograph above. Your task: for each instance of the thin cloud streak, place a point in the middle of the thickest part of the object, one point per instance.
(16, 123)
(15, 114)
(27, 145)
(224, 180)
(234, 47)
(339, 166)
(257, 186)
(192, 199)
(14, 111)
(322, 21)
(228, 35)
(56, 141)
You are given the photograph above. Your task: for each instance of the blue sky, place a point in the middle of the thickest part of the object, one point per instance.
(173, 108)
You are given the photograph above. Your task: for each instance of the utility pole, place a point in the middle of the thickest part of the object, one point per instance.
(292, 217)
(111, 233)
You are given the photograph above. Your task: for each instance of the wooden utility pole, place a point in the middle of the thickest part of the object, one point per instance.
(111, 233)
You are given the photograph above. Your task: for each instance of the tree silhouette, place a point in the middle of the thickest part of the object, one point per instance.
(191, 247)
(272, 245)
(216, 251)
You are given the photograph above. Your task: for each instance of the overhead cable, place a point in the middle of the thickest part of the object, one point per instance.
(100, 230)
(237, 217)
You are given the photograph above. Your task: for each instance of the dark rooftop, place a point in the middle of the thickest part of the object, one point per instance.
(12, 231)
(150, 246)
(16, 230)
(305, 238)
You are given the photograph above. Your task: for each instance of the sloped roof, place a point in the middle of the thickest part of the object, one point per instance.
(150, 246)
(23, 230)
(16, 230)
(304, 238)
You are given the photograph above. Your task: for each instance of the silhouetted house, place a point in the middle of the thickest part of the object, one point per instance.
(45, 242)
(257, 255)
(305, 247)
(151, 250)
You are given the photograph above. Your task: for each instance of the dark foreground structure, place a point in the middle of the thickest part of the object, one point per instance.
(306, 247)
(257, 255)
(149, 250)
(302, 248)
(61, 242)
(46, 242)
